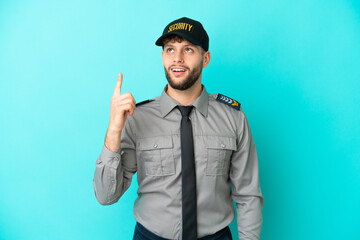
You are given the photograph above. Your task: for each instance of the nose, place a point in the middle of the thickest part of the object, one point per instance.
(178, 57)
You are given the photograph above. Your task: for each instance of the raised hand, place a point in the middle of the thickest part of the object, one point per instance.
(121, 106)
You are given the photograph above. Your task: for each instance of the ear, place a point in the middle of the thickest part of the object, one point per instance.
(162, 56)
(206, 59)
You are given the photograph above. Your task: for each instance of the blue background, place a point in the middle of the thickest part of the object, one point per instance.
(293, 65)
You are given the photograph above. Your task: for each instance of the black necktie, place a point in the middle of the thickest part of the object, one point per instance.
(188, 176)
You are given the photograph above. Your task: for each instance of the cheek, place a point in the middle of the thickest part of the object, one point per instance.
(165, 61)
(195, 63)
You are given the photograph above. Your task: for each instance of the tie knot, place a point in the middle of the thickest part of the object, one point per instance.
(185, 110)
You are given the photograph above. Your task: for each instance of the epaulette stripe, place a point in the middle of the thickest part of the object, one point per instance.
(143, 102)
(228, 101)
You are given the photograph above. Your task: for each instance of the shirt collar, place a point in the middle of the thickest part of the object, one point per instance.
(167, 104)
(202, 102)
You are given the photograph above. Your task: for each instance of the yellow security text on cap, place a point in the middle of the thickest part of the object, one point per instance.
(182, 26)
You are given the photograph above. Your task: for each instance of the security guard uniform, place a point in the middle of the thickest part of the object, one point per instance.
(225, 160)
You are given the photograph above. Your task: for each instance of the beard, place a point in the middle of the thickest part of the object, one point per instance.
(189, 81)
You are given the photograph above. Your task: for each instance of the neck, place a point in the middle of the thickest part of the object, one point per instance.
(185, 97)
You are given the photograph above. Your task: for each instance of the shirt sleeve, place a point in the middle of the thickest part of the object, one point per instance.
(244, 176)
(114, 170)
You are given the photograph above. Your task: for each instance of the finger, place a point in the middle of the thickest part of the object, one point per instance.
(133, 107)
(117, 89)
(119, 102)
(127, 95)
(131, 97)
(127, 108)
(131, 111)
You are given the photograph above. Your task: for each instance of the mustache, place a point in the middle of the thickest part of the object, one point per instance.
(177, 65)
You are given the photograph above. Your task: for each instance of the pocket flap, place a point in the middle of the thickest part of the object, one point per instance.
(219, 142)
(153, 143)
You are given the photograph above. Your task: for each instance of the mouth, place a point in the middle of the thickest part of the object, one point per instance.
(178, 71)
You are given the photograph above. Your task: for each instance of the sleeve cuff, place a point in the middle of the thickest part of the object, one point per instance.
(109, 158)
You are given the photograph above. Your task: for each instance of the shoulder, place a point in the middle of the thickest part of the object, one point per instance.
(143, 112)
(144, 102)
(226, 108)
(229, 109)
(149, 103)
(146, 109)
(225, 101)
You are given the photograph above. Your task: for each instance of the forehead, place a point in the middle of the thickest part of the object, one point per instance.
(182, 42)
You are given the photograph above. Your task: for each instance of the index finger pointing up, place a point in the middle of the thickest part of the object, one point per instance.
(117, 89)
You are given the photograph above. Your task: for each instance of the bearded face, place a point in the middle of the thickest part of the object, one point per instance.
(183, 63)
(174, 73)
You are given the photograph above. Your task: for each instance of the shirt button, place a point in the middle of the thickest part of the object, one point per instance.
(222, 145)
(155, 145)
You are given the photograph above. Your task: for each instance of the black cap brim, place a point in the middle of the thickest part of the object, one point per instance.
(159, 42)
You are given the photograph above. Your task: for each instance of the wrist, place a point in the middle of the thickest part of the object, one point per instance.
(114, 131)
(112, 140)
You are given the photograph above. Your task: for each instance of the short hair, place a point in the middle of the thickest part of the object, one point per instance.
(176, 38)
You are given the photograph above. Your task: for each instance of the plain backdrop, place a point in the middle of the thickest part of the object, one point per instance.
(293, 65)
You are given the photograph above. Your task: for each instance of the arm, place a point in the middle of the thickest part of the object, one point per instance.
(244, 176)
(114, 170)
(117, 162)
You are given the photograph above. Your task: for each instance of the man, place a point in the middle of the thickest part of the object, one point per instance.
(188, 148)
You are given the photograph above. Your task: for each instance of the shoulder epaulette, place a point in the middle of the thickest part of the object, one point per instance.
(228, 101)
(144, 102)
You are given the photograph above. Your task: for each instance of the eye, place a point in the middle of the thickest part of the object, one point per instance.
(189, 50)
(169, 50)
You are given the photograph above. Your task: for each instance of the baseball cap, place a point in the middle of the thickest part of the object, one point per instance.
(189, 29)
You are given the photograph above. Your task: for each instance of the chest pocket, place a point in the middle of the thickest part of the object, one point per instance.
(156, 155)
(219, 150)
